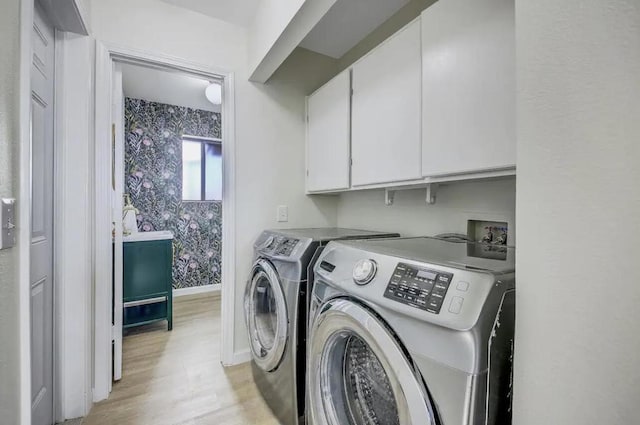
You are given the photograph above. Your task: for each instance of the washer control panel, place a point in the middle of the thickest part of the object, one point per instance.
(418, 287)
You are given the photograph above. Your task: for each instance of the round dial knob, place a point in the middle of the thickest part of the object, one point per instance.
(267, 243)
(364, 271)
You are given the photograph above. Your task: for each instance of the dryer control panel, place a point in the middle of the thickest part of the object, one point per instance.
(418, 287)
(285, 246)
(280, 245)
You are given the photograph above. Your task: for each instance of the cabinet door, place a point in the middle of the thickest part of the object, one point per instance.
(147, 269)
(469, 89)
(386, 111)
(328, 135)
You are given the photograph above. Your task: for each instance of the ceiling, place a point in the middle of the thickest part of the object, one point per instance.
(347, 23)
(168, 87)
(238, 12)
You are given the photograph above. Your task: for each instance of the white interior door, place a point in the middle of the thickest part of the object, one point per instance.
(117, 128)
(41, 273)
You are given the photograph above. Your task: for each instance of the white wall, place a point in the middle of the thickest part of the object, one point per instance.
(277, 30)
(578, 207)
(402, 17)
(168, 87)
(270, 20)
(269, 118)
(410, 215)
(84, 7)
(270, 132)
(9, 172)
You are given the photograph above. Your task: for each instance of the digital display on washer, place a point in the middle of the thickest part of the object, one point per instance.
(426, 274)
(418, 287)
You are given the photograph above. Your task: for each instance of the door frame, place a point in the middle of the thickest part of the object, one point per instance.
(106, 54)
(24, 210)
(27, 15)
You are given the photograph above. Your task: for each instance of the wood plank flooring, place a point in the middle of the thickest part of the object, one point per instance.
(175, 378)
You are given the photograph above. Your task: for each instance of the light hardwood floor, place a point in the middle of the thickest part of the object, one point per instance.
(172, 378)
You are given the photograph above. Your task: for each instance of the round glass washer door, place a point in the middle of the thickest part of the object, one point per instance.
(266, 316)
(358, 374)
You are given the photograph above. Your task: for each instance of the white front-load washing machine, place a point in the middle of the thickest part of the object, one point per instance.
(275, 307)
(411, 331)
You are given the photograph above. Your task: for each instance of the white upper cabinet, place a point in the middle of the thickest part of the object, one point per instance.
(386, 112)
(328, 131)
(468, 85)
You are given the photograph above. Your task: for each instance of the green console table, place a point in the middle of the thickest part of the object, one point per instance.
(147, 279)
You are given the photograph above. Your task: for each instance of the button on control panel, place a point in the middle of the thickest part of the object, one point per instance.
(420, 288)
(462, 286)
(456, 305)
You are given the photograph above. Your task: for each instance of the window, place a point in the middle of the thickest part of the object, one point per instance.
(201, 169)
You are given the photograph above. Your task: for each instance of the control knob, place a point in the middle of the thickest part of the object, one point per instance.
(364, 271)
(267, 243)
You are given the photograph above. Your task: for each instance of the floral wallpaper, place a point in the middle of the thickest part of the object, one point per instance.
(153, 178)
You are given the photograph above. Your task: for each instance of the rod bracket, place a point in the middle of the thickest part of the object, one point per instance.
(389, 194)
(432, 190)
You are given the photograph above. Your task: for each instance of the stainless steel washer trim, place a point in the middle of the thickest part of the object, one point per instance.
(268, 362)
(343, 316)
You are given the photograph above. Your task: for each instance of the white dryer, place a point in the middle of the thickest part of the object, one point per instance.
(411, 331)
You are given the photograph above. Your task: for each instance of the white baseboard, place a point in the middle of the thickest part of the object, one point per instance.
(88, 401)
(239, 357)
(180, 292)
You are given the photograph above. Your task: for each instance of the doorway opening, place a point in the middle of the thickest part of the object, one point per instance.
(168, 179)
(169, 249)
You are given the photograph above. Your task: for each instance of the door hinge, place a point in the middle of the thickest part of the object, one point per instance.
(307, 173)
(113, 156)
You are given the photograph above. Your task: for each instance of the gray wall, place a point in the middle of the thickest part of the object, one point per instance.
(9, 136)
(578, 208)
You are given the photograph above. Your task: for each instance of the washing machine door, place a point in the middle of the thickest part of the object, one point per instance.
(358, 373)
(266, 316)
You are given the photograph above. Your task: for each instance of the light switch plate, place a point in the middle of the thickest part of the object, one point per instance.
(283, 213)
(7, 223)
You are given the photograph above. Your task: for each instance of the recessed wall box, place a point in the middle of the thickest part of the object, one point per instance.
(493, 236)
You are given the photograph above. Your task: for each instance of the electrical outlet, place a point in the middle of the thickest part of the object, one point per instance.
(282, 213)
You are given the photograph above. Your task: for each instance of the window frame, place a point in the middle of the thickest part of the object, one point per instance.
(203, 141)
